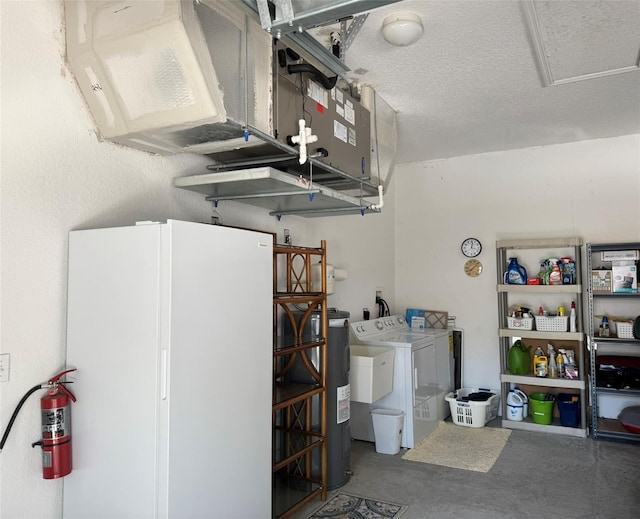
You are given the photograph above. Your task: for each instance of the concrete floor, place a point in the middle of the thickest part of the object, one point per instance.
(537, 476)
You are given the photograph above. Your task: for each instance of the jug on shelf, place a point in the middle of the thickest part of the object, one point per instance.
(519, 359)
(516, 274)
(525, 401)
(515, 406)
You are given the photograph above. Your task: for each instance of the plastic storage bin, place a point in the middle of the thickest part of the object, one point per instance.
(387, 430)
(557, 323)
(520, 323)
(569, 408)
(541, 409)
(469, 412)
(624, 330)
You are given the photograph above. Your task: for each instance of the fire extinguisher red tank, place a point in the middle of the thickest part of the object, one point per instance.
(55, 407)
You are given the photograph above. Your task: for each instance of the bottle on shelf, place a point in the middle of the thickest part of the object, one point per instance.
(516, 274)
(568, 271)
(555, 276)
(553, 367)
(540, 363)
(572, 317)
(604, 327)
(561, 360)
(571, 368)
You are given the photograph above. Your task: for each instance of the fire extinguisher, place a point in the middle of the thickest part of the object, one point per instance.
(55, 408)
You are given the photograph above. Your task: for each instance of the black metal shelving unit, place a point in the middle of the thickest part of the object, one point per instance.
(603, 425)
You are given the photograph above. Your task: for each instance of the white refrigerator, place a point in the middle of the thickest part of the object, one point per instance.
(170, 328)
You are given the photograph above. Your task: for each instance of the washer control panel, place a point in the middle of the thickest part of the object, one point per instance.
(365, 329)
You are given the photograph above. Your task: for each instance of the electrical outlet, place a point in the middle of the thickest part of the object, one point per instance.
(378, 292)
(4, 367)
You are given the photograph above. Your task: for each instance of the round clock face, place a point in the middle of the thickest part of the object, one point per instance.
(473, 268)
(471, 247)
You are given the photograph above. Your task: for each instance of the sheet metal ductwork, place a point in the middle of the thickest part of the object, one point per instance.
(204, 77)
(151, 81)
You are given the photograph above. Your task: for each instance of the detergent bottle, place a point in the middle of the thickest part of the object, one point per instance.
(516, 274)
(540, 363)
(525, 400)
(515, 406)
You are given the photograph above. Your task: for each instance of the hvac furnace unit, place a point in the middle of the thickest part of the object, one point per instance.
(204, 77)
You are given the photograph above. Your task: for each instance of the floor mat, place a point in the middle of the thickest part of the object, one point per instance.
(347, 506)
(460, 447)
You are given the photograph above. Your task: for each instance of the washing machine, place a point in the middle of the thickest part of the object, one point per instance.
(422, 377)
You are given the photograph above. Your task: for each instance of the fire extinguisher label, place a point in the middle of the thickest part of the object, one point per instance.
(56, 423)
(46, 459)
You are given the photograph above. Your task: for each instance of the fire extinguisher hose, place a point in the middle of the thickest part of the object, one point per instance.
(17, 410)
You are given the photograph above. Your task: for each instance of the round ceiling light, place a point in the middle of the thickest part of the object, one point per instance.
(402, 29)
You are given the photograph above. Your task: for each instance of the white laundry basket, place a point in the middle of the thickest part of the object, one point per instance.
(387, 430)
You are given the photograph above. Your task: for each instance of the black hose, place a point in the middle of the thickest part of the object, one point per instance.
(383, 308)
(15, 413)
(325, 81)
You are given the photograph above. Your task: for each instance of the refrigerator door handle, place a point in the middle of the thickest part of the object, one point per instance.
(163, 375)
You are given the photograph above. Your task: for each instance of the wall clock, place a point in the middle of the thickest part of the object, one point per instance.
(471, 247)
(473, 268)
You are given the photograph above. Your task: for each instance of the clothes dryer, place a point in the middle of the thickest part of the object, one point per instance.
(421, 377)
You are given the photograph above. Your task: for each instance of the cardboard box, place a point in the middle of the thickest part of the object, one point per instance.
(601, 281)
(418, 323)
(620, 255)
(625, 278)
(416, 318)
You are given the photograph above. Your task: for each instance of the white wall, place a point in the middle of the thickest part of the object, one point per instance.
(57, 176)
(364, 246)
(589, 189)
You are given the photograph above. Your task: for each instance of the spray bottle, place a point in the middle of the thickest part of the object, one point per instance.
(572, 317)
(553, 367)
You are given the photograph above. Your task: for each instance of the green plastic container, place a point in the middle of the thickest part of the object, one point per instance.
(541, 410)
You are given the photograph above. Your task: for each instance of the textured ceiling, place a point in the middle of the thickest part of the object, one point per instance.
(475, 81)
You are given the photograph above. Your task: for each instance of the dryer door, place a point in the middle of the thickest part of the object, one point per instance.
(425, 390)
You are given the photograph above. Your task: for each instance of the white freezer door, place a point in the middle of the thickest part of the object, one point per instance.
(170, 328)
(219, 460)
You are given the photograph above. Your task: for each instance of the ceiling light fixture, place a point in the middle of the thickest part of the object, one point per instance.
(402, 29)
